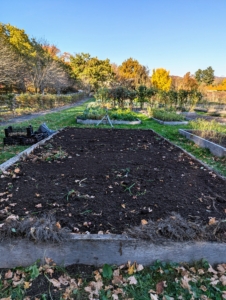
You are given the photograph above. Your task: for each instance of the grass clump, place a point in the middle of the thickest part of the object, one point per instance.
(164, 115)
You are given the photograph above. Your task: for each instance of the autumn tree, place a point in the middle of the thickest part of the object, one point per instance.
(205, 76)
(188, 82)
(11, 67)
(91, 71)
(161, 80)
(133, 73)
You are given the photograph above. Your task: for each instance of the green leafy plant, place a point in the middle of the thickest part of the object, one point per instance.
(164, 115)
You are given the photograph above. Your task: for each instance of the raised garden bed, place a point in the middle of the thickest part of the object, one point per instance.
(170, 122)
(114, 122)
(108, 181)
(111, 179)
(211, 143)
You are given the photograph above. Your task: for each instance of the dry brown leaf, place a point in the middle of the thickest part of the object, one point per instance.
(16, 283)
(139, 268)
(63, 280)
(201, 271)
(97, 275)
(203, 288)
(79, 281)
(8, 274)
(123, 205)
(144, 222)
(94, 288)
(38, 205)
(185, 282)
(212, 221)
(26, 285)
(37, 195)
(55, 282)
(221, 269)
(116, 272)
(211, 270)
(49, 261)
(49, 271)
(17, 170)
(8, 298)
(223, 280)
(117, 280)
(193, 270)
(58, 225)
(132, 280)
(154, 297)
(214, 282)
(159, 287)
(12, 217)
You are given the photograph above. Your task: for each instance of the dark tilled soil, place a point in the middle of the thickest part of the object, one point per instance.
(108, 180)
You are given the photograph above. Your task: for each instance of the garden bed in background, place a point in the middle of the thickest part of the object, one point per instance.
(215, 142)
(114, 122)
(104, 180)
(171, 122)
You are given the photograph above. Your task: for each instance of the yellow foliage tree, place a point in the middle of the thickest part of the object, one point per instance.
(161, 80)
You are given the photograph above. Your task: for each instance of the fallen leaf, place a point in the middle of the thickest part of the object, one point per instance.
(139, 268)
(12, 217)
(132, 280)
(123, 205)
(160, 287)
(26, 285)
(221, 269)
(8, 274)
(144, 222)
(55, 282)
(212, 221)
(201, 271)
(203, 288)
(211, 270)
(17, 170)
(117, 280)
(37, 195)
(154, 297)
(131, 269)
(63, 280)
(58, 225)
(184, 282)
(223, 280)
(38, 205)
(49, 261)
(16, 283)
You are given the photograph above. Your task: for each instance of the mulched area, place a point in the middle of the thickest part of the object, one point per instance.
(109, 180)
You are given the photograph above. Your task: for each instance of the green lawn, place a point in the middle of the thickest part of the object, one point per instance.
(67, 117)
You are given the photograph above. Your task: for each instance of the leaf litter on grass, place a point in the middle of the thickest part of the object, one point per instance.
(166, 281)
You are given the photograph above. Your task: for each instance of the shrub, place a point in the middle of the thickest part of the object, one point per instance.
(166, 115)
(97, 113)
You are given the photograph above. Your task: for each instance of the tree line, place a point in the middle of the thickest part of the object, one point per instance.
(29, 65)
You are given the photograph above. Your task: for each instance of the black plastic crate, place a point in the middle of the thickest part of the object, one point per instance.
(21, 136)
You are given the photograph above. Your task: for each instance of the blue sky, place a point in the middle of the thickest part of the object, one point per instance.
(178, 35)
